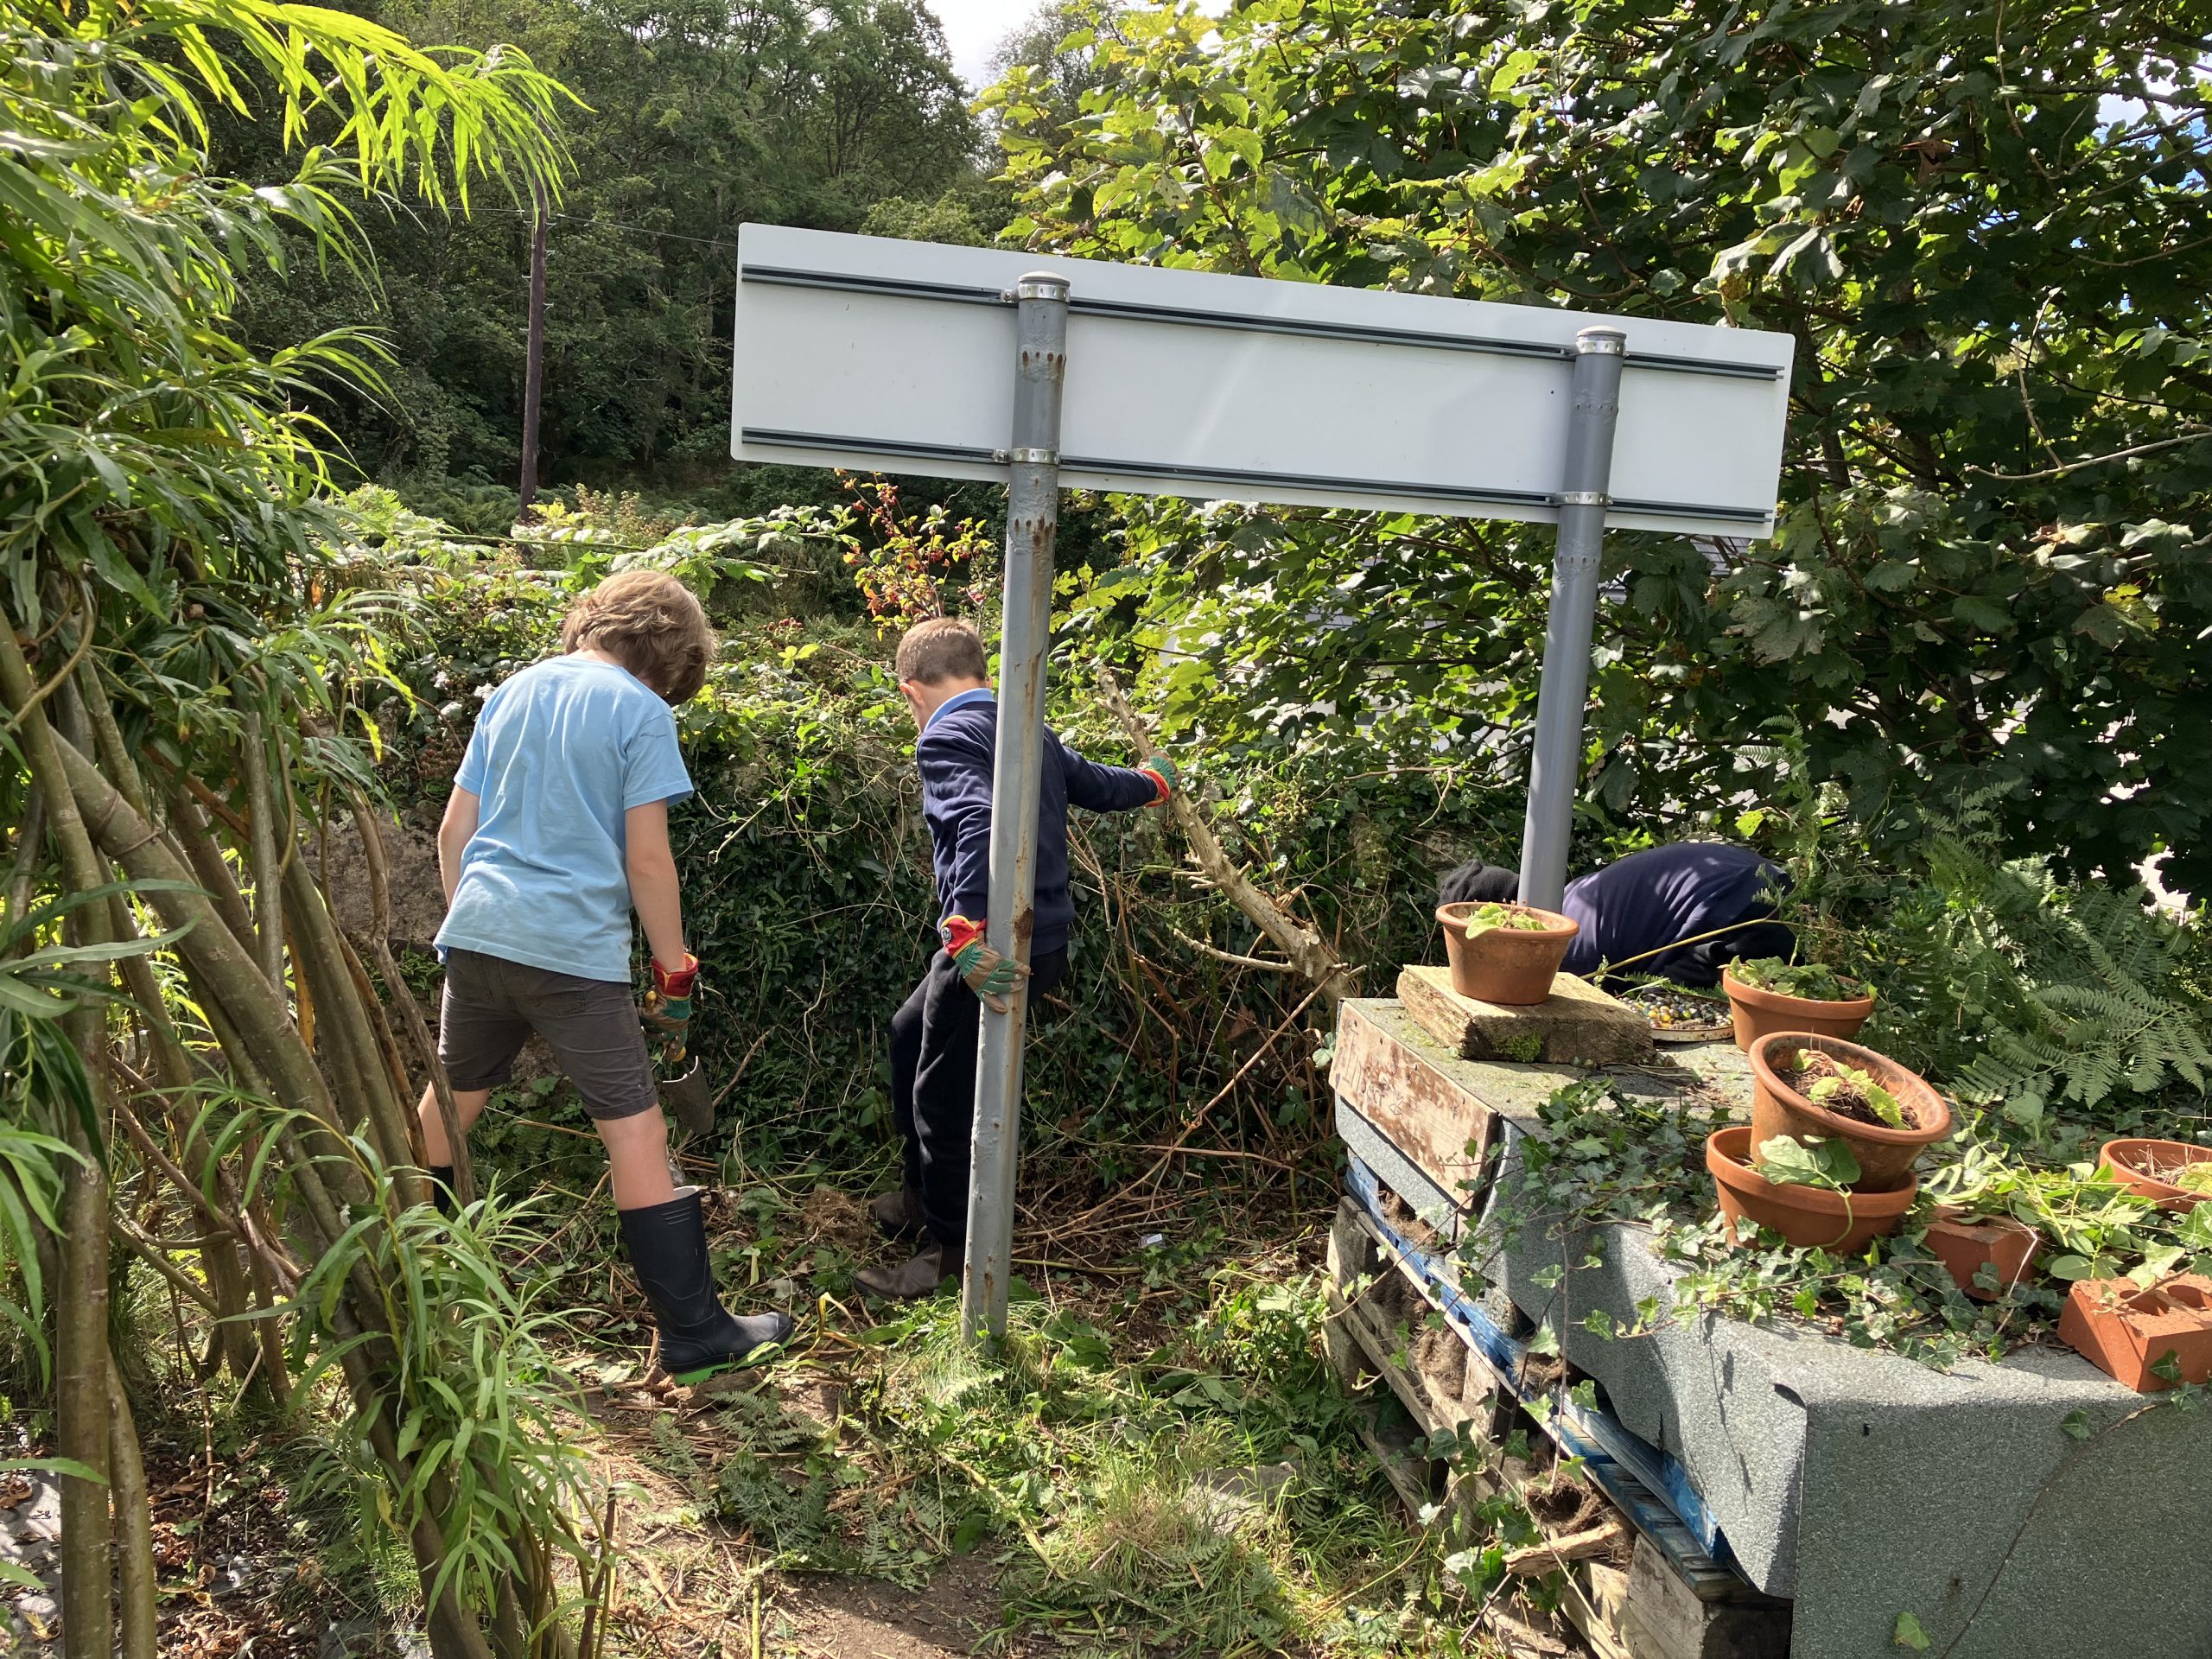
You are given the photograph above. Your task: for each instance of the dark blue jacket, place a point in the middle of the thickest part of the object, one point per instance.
(1663, 894)
(955, 754)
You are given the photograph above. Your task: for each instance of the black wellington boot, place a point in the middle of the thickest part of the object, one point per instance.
(441, 1187)
(698, 1336)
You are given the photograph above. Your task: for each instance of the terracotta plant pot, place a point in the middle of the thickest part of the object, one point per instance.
(2125, 1330)
(1886, 1155)
(1512, 965)
(2124, 1161)
(1756, 1014)
(1808, 1217)
(1967, 1243)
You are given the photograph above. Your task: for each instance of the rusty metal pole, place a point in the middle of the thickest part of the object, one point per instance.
(1031, 519)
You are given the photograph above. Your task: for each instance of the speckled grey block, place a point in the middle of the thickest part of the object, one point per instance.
(1863, 1484)
(1860, 1483)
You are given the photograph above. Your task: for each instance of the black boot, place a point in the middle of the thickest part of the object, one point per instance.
(698, 1336)
(935, 1265)
(441, 1187)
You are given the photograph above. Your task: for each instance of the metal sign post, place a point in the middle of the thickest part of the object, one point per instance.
(865, 351)
(1032, 516)
(1556, 768)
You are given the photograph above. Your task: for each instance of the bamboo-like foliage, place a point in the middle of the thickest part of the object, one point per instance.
(185, 1031)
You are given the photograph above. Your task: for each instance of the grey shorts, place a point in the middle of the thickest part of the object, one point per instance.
(491, 1006)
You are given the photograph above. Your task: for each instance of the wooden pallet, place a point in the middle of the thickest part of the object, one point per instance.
(1669, 1603)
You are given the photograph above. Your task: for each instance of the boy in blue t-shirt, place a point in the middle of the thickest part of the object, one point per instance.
(557, 827)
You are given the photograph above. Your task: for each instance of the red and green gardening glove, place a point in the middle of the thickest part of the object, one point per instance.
(668, 1005)
(1163, 774)
(990, 976)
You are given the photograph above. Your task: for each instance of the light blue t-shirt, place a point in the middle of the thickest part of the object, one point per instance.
(561, 751)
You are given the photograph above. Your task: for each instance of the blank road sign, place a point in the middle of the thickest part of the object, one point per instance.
(897, 356)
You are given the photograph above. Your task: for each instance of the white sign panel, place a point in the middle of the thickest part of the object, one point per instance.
(898, 356)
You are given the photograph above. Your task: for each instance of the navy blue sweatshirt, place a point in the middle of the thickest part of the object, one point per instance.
(1652, 898)
(955, 754)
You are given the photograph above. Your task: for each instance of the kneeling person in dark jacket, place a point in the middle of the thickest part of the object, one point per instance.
(942, 672)
(1651, 909)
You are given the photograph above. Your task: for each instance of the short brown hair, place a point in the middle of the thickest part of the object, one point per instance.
(943, 648)
(649, 622)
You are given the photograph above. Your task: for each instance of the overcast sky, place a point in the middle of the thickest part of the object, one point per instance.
(972, 28)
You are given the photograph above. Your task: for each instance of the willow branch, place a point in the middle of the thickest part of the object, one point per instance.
(1306, 952)
(261, 844)
(1231, 956)
(134, 1525)
(150, 1252)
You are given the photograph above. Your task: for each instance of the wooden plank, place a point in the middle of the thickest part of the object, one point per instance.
(1421, 1096)
(1593, 1597)
(1577, 1024)
(1652, 1611)
(1620, 1482)
(1663, 1618)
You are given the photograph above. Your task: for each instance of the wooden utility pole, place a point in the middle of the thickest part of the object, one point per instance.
(533, 383)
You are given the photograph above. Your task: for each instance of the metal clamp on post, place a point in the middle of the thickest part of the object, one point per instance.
(1583, 498)
(1601, 342)
(1034, 457)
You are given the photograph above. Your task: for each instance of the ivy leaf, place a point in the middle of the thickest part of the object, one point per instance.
(2076, 1423)
(1908, 1634)
(1788, 1162)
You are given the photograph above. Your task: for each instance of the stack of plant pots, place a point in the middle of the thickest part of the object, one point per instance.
(1840, 1219)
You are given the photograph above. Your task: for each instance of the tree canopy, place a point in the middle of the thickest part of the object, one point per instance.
(688, 120)
(1987, 229)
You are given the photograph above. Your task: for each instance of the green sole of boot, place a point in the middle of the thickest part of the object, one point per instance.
(765, 1351)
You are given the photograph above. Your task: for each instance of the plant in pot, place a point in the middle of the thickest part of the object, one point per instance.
(1807, 1190)
(2177, 1174)
(1768, 995)
(1504, 953)
(1809, 1086)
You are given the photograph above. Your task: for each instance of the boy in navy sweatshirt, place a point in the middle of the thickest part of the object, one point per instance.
(944, 676)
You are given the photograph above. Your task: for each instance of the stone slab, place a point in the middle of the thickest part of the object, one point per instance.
(1577, 1024)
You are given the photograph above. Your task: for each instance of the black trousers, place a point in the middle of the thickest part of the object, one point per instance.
(933, 1039)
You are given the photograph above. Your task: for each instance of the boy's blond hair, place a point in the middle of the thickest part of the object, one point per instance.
(943, 648)
(649, 622)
